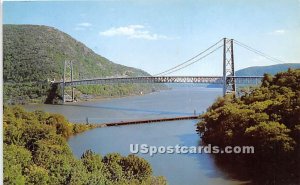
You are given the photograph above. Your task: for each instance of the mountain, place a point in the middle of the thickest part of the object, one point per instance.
(35, 55)
(261, 70)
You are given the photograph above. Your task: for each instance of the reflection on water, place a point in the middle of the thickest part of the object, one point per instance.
(177, 168)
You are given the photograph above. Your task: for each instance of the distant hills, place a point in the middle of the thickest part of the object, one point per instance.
(261, 70)
(34, 55)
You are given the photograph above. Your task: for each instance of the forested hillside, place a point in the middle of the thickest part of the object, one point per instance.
(261, 70)
(35, 55)
(266, 117)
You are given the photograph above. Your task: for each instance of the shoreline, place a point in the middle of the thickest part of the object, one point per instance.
(100, 98)
(97, 98)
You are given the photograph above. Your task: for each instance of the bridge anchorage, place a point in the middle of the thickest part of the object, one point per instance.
(228, 79)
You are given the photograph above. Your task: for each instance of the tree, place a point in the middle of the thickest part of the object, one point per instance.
(36, 152)
(266, 117)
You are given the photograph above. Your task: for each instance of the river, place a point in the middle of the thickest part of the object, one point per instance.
(177, 168)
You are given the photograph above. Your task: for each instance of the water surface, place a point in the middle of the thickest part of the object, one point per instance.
(177, 168)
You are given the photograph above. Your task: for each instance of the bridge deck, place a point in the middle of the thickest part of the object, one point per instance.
(165, 79)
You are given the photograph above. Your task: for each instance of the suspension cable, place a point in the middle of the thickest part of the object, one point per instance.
(195, 60)
(166, 71)
(258, 52)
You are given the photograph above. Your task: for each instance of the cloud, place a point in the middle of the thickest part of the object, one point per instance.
(278, 32)
(83, 26)
(133, 32)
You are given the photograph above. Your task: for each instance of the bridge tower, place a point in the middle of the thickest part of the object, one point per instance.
(68, 93)
(228, 67)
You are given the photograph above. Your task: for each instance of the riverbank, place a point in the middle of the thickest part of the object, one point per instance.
(101, 98)
(181, 101)
(178, 169)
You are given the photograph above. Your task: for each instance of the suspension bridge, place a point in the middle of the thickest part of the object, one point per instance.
(228, 78)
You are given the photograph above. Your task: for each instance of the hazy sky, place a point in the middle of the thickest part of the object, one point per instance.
(156, 35)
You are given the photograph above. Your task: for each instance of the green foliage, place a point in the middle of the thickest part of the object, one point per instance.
(270, 138)
(34, 55)
(266, 117)
(36, 152)
(118, 90)
(15, 160)
(21, 93)
(136, 168)
(113, 161)
(36, 175)
(63, 127)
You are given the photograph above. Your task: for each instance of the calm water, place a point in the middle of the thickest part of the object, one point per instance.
(177, 168)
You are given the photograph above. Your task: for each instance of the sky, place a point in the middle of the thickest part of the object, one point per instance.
(155, 35)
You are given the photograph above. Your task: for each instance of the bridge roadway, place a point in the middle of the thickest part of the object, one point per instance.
(164, 79)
